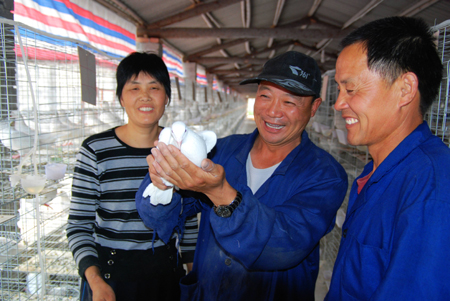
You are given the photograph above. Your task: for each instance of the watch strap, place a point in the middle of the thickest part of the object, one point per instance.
(227, 210)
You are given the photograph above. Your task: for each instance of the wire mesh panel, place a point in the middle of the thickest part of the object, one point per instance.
(437, 117)
(40, 95)
(328, 131)
(43, 123)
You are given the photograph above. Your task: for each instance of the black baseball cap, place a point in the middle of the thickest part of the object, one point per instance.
(293, 71)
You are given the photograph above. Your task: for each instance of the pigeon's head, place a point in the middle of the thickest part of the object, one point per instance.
(178, 132)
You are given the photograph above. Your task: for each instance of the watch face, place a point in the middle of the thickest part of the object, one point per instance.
(223, 211)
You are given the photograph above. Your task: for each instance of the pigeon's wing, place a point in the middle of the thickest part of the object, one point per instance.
(193, 147)
(210, 139)
(166, 135)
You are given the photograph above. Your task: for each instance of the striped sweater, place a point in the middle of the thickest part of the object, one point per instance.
(106, 178)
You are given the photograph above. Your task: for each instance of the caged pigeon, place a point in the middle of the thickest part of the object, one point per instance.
(195, 146)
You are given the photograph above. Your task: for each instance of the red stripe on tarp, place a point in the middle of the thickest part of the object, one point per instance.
(87, 14)
(69, 26)
(47, 20)
(51, 55)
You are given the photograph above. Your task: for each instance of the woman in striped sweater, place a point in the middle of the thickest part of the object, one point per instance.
(118, 257)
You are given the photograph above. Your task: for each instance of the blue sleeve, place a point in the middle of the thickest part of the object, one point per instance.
(164, 219)
(419, 265)
(280, 237)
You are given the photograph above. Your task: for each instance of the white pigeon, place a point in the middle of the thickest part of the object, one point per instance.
(195, 146)
(15, 140)
(17, 136)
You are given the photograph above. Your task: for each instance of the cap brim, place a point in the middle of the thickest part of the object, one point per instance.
(250, 81)
(297, 88)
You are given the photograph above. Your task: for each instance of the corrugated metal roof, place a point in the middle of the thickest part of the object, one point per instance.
(327, 15)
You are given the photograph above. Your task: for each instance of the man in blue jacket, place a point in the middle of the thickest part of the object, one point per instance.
(271, 195)
(395, 239)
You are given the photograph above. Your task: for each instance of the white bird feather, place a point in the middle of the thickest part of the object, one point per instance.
(195, 146)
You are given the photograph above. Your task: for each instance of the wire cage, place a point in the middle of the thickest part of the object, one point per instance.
(438, 115)
(327, 129)
(41, 96)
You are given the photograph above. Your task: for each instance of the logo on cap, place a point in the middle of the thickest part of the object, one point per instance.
(298, 71)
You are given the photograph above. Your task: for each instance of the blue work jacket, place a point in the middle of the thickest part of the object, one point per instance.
(395, 240)
(268, 249)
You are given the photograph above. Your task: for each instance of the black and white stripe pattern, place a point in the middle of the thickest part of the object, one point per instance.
(106, 178)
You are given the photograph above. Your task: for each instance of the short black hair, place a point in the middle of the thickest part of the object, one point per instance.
(137, 62)
(397, 45)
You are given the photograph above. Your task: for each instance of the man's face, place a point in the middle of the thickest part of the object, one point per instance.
(367, 102)
(282, 116)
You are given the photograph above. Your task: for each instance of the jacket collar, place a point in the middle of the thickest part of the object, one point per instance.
(412, 141)
(305, 144)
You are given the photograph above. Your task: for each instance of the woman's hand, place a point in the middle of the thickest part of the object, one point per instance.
(101, 291)
(169, 163)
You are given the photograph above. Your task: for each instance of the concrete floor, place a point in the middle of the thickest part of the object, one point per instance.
(247, 126)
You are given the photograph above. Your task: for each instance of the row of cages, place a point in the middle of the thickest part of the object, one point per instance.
(43, 139)
(35, 262)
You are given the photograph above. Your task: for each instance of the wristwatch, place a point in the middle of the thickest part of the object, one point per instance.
(227, 210)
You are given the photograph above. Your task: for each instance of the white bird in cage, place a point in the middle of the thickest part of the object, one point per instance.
(93, 123)
(22, 142)
(13, 139)
(69, 119)
(75, 130)
(195, 146)
(107, 115)
(34, 283)
(50, 130)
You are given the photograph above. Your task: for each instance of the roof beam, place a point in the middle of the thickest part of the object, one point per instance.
(235, 71)
(122, 10)
(276, 18)
(197, 10)
(275, 46)
(417, 8)
(302, 22)
(371, 5)
(215, 48)
(314, 7)
(240, 33)
(230, 60)
(327, 54)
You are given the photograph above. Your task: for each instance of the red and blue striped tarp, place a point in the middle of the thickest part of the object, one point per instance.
(82, 20)
(202, 80)
(174, 62)
(215, 84)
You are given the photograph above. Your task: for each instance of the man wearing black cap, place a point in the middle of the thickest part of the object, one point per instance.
(272, 195)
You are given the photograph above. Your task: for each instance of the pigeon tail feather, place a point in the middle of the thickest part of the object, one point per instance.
(158, 196)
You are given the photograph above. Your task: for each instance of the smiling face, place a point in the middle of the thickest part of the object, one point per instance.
(282, 116)
(144, 100)
(368, 103)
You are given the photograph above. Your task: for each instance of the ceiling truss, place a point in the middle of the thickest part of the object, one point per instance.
(307, 34)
